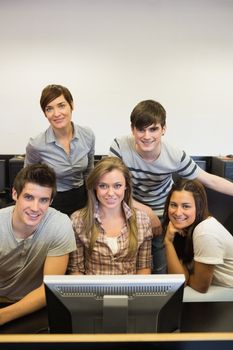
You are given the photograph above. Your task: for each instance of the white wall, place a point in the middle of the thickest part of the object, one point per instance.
(112, 54)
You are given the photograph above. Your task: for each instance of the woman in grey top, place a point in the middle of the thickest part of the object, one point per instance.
(67, 147)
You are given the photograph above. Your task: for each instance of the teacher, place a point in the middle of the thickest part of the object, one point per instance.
(66, 147)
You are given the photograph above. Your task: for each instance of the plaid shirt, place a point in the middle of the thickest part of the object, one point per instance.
(102, 261)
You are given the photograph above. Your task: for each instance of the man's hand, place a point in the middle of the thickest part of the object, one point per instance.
(155, 222)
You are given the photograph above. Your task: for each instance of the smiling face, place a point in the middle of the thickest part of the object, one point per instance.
(110, 190)
(182, 209)
(30, 206)
(148, 139)
(59, 113)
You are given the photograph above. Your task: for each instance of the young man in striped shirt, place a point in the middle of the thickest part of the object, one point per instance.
(152, 163)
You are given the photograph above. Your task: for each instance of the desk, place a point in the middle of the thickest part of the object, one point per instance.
(165, 341)
(207, 317)
(196, 317)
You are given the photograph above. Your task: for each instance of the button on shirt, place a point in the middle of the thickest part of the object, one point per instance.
(102, 260)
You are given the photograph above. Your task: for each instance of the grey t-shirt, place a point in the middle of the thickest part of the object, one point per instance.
(22, 262)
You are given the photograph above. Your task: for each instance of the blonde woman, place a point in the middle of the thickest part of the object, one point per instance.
(111, 236)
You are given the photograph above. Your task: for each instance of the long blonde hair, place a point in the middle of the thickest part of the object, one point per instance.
(104, 166)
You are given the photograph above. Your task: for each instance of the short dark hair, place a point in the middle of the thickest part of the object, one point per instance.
(146, 113)
(40, 174)
(50, 92)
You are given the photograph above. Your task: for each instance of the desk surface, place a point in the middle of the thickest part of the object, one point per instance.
(196, 317)
(165, 341)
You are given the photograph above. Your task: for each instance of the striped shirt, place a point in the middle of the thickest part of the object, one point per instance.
(102, 261)
(152, 181)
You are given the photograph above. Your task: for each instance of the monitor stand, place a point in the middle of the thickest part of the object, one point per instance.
(115, 313)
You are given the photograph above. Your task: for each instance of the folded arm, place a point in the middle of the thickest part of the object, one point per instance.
(144, 272)
(34, 300)
(201, 275)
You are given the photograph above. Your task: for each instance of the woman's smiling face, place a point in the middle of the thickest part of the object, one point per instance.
(110, 190)
(182, 209)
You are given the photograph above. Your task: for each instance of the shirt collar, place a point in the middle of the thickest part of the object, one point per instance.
(52, 138)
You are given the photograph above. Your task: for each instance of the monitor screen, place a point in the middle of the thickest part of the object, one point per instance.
(114, 303)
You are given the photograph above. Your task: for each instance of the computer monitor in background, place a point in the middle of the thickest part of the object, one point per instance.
(114, 303)
(16, 163)
(2, 174)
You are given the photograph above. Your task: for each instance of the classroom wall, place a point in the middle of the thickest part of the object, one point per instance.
(113, 54)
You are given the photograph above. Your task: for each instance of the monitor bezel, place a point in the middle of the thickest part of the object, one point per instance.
(166, 318)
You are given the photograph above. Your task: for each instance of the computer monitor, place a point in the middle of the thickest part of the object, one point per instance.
(2, 174)
(114, 303)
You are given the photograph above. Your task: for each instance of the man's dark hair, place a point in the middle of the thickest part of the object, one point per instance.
(146, 113)
(39, 174)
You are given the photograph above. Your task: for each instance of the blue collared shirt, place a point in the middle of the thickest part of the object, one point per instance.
(70, 169)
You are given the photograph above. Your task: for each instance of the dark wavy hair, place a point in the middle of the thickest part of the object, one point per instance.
(184, 245)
